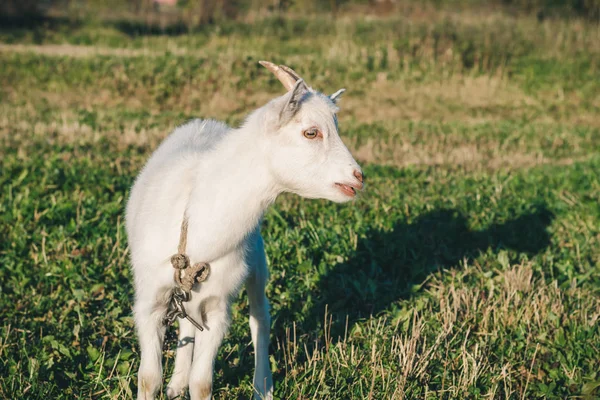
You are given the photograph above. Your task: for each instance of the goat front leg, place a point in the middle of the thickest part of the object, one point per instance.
(183, 360)
(151, 334)
(216, 323)
(260, 322)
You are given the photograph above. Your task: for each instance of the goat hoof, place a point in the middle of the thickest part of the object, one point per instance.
(175, 393)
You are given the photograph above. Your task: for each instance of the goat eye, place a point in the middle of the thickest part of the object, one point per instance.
(311, 133)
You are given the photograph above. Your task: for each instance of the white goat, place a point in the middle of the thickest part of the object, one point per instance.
(223, 180)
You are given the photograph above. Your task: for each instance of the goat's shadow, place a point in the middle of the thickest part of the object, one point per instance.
(387, 265)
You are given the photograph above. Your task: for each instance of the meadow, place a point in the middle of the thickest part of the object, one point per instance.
(469, 267)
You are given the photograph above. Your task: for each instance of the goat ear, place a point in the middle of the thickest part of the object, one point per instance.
(336, 96)
(292, 105)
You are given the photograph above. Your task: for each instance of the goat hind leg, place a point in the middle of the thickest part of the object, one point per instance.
(151, 334)
(183, 360)
(206, 346)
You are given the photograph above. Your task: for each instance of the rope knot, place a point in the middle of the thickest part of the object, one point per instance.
(180, 261)
(201, 270)
(187, 276)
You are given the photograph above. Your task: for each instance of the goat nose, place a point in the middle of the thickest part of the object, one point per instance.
(358, 175)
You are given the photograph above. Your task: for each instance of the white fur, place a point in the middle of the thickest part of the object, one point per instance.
(223, 179)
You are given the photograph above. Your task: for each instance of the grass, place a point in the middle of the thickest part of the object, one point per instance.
(468, 269)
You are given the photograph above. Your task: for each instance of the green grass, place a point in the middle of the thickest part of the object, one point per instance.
(470, 267)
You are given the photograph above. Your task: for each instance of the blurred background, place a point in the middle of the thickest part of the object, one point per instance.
(468, 268)
(190, 13)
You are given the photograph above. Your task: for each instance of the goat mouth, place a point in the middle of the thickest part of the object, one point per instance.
(346, 189)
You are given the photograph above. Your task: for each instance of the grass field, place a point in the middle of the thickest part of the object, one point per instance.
(470, 267)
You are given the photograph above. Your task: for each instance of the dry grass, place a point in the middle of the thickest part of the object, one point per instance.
(471, 320)
(76, 51)
(455, 98)
(467, 157)
(465, 97)
(426, 147)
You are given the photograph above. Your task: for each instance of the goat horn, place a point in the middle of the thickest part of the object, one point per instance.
(286, 75)
(290, 71)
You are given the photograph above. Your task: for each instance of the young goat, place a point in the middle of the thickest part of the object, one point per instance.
(220, 181)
